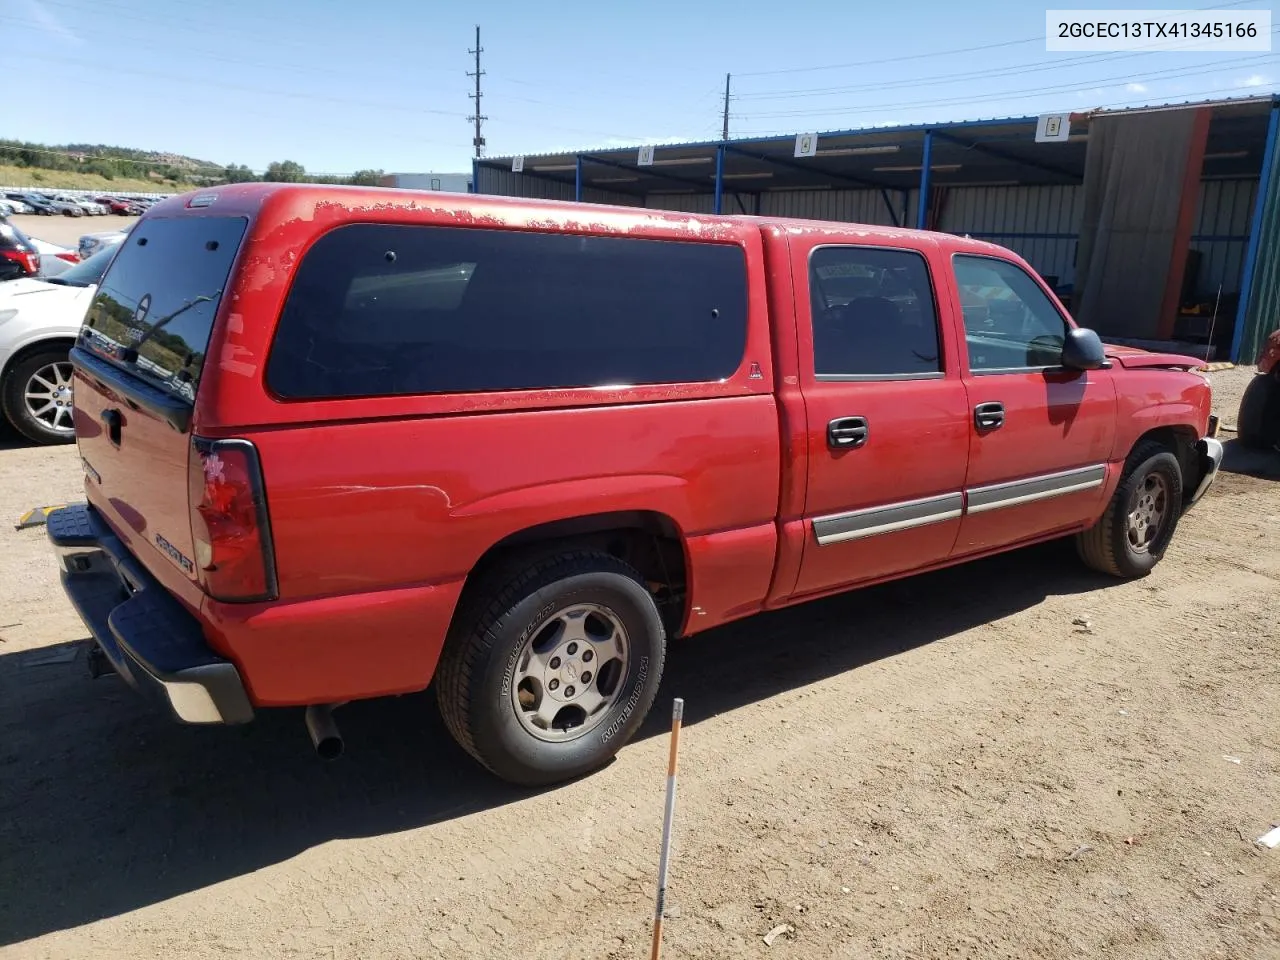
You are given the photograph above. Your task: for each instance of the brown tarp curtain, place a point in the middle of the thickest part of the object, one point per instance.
(1133, 183)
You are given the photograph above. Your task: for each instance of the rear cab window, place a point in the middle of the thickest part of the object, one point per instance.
(153, 313)
(389, 310)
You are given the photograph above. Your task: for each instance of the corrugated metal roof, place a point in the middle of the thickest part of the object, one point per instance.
(1262, 100)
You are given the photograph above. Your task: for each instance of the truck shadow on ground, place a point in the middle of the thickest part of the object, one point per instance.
(106, 806)
(1250, 462)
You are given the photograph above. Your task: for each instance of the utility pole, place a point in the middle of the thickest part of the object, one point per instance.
(724, 133)
(477, 118)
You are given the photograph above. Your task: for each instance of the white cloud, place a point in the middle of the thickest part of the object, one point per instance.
(1256, 80)
(51, 25)
(1136, 87)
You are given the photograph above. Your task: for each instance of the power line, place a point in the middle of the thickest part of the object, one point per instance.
(947, 78)
(172, 78)
(1009, 95)
(937, 53)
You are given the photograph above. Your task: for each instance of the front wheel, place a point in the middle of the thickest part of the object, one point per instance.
(1138, 524)
(546, 674)
(36, 397)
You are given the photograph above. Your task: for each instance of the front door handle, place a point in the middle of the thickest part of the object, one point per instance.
(845, 433)
(988, 416)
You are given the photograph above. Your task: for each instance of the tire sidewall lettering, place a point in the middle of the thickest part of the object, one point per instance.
(517, 648)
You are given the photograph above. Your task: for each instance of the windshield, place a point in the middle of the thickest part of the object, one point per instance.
(154, 309)
(87, 272)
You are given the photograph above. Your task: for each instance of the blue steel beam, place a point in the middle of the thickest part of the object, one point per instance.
(1008, 157)
(719, 201)
(893, 214)
(807, 168)
(645, 171)
(922, 210)
(475, 176)
(1266, 183)
(577, 178)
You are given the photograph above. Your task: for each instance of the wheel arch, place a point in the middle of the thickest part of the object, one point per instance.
(1180, 439)
(35, 346)
(650, 541)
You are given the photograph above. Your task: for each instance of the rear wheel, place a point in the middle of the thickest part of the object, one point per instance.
(1138, 524)
(36, 397)
(1258, 422)
(547, 673)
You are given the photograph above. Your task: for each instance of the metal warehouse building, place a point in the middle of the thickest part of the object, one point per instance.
(1155, 224)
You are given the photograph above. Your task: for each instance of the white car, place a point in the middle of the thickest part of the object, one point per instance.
(39, 323)
(9, 207)
(91, 243)
(54, 260)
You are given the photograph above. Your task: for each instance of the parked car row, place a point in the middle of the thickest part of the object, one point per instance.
(47, 203)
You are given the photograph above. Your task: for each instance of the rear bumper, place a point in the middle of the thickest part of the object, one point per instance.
(150, 639)
(1209, 458)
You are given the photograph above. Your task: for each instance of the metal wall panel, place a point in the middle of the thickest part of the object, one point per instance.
(845, 206)
(1041, 224)
(1261, 313)
(1226, 208)
(505, 183)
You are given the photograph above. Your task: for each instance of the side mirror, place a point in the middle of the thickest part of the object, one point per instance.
(1082, 350)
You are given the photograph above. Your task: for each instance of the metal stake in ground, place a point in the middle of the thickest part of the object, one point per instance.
(677, 715)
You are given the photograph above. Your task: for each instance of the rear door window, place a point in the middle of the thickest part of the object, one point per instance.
(391, 310)
(873, 315)
(154, 309)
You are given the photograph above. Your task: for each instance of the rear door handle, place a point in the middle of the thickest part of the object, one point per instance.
(112, 419)
(988, 416)
(845, 433)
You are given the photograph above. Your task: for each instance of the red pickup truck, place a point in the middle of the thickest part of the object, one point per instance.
(343, 443)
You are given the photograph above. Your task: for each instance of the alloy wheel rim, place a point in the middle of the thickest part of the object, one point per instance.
(569, 673)
(48, 398)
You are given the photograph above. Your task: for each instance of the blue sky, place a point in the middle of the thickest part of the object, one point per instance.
(339, 86)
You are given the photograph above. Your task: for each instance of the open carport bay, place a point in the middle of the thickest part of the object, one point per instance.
(1014, 758)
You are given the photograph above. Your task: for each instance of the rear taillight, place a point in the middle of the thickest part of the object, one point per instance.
(229, 522)
(68, 255)
(30, 262)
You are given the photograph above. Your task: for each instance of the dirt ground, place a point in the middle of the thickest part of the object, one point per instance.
(1011, 759)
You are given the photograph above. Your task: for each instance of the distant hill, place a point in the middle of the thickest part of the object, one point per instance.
(125, 167)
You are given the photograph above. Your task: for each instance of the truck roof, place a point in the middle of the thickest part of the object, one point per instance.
(489, 210)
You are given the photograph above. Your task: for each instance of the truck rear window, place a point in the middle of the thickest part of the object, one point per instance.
(153, 312)
(388, 310)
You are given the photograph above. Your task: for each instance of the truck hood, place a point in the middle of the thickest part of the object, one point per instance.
(1135, 358)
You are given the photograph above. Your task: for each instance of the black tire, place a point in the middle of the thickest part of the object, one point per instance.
(13, 397)
(1258, 421)
(1106, 546)
(481, 657)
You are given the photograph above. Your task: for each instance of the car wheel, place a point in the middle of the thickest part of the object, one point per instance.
(1258, 421)
(547, 673)
(1138, 524)
(36, 397)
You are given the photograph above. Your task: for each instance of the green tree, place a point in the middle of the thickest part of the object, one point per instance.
(285, 171)
(367, 178)
(237, 173)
